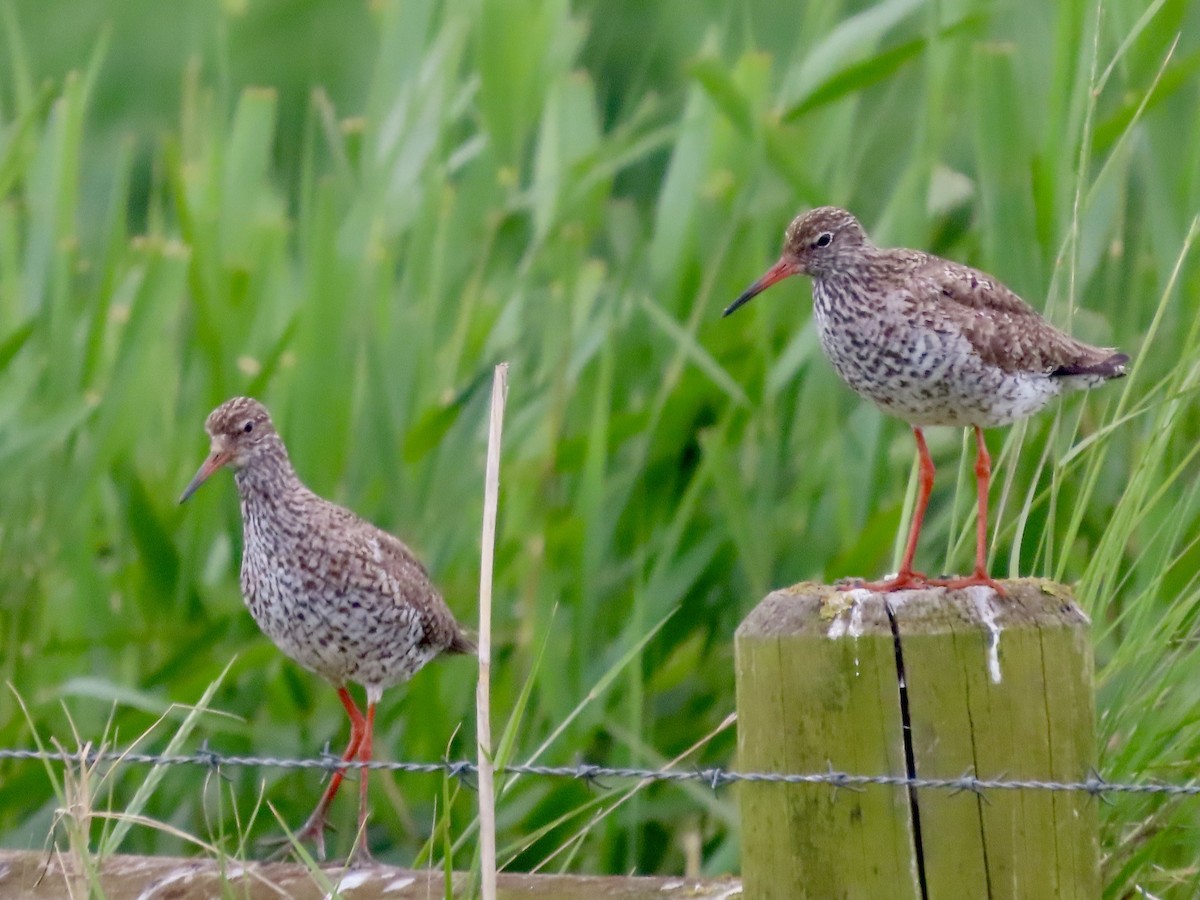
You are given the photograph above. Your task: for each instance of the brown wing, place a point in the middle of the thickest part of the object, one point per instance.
(441, 628)
(375, 550)
(1005, 330)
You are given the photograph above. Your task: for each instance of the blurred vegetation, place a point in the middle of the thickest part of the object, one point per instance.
(354, 210)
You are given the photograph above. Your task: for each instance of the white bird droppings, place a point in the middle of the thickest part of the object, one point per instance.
(857, 595)
(349, 882)
(849, 620)
(982, 596)
(170, 878)
(856, 625)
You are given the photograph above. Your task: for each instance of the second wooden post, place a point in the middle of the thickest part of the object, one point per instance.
(943, 684)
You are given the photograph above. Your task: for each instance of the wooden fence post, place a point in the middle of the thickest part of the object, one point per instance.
(998, 688)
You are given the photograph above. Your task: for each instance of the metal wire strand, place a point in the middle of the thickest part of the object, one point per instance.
(714, 778)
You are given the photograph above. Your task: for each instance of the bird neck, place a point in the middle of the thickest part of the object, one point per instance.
(268, 478)
(840, 286)
(869, 265)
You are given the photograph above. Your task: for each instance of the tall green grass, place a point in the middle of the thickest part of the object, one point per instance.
(578, 189)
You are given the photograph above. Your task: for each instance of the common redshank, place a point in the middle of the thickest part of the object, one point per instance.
(932, 342)
(336, 594)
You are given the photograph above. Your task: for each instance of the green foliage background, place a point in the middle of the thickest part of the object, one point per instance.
(354, 210)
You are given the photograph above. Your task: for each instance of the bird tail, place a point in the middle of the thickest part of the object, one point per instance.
(1111, 367)
(461, 643)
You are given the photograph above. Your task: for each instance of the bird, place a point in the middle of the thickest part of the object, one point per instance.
(932, 342)
(336, 594)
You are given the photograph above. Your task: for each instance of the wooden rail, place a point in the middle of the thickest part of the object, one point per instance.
(29, 875)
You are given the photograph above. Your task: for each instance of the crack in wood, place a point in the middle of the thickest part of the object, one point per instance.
(910, 761)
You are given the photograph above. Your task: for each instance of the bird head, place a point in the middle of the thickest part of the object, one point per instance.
(240, 430)
(816, 243)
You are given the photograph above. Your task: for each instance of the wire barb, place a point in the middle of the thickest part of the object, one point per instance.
(968, 782)
(591, 774)
(462, 770)
(842, 781)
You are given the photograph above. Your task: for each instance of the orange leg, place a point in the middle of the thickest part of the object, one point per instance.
(983, 478)
(360, 732)
(361, 852)
(906, 578)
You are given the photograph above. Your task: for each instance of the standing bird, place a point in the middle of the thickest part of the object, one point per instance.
(932, 342)
(336, 594)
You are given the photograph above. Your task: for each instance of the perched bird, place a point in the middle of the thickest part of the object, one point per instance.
(932, 342)
(336, 594)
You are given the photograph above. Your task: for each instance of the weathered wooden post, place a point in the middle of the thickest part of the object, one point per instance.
(931, 684)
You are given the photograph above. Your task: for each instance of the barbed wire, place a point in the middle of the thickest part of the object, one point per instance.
(713, 777)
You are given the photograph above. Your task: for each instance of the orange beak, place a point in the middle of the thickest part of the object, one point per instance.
(781, 270)
(215, 460)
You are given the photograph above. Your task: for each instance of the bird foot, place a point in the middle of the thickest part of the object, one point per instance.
(901, 581)
(312, 830)
(360, 855)
(975, 579)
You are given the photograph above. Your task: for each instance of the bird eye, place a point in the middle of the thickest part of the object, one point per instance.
(824, 239)
(248, 427)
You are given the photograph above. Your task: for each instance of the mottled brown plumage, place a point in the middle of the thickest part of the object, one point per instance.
(932, 342)
(336, 594)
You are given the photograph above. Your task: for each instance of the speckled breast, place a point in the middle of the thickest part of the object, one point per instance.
(324, 621)
(926, 373)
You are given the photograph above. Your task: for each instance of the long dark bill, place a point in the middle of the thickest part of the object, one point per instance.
(777, 272)
(215, 461)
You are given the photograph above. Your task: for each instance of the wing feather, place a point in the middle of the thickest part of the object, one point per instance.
(1003, 329)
